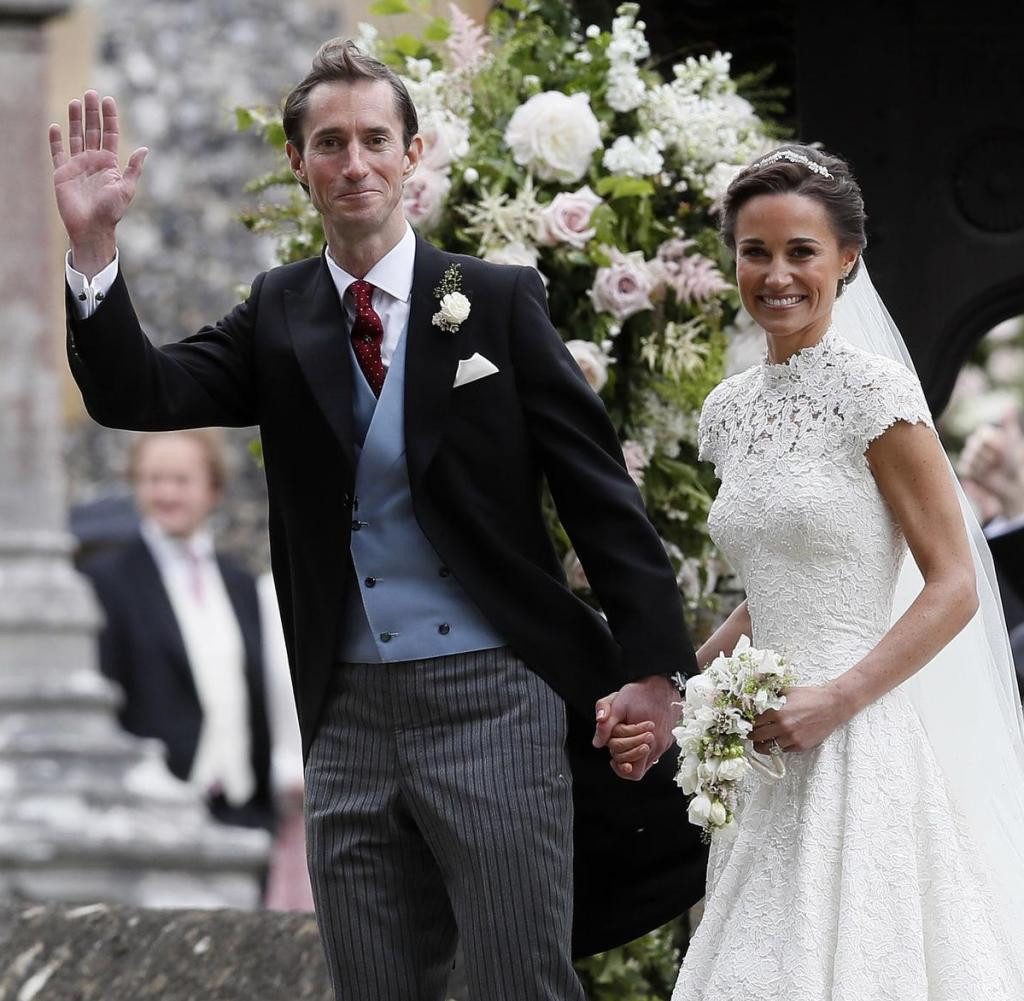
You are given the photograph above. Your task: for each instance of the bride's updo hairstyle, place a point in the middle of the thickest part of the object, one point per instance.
(802, 170)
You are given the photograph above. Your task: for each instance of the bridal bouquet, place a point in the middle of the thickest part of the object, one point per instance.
(721, 706)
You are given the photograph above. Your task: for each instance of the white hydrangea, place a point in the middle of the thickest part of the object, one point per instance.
(640, 157)
(717, 181)
(703, 118)
(367, 38)
(626, 89)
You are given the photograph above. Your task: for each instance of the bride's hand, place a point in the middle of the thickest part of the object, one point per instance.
(807, 718)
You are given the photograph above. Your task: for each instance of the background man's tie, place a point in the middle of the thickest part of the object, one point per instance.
(367, 334)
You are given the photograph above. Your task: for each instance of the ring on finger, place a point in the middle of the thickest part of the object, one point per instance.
(774, 747)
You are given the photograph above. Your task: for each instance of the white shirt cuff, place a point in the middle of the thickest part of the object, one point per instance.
(89, 294)
(1003, 526)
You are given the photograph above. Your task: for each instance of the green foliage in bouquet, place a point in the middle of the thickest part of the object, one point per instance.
(559, 147)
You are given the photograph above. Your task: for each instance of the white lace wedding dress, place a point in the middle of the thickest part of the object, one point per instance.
(851, 879)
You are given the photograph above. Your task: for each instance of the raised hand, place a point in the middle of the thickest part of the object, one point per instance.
(92, 191)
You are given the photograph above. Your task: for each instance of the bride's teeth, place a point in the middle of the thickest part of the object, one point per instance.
(789, 300)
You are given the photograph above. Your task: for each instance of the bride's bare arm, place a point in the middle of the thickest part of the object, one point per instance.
(911, 471)
(724, 638)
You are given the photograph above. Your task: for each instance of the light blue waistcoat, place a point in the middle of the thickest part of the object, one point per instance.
(407, 605)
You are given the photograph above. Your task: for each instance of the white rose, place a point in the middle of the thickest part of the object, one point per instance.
(624, 287)
(700, 691)
(566, 219)
(454, 308)
(686, 777)
(733, 769)
(424, 197)
(554, 135)
(700, 809)
(717, 814)
(707, 771)
(593, 362)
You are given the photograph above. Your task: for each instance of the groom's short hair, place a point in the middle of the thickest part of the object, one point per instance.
(341, 61)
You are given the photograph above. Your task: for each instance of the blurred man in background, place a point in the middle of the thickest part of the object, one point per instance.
(182, 636)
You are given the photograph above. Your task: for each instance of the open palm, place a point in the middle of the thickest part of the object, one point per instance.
(92, 191)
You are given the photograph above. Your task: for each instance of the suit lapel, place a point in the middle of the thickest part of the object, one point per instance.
(316, 323)
(432, 357)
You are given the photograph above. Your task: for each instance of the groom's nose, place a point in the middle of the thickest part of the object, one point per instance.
(355, 163)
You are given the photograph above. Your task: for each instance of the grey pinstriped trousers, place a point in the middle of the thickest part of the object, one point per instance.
(438, 805)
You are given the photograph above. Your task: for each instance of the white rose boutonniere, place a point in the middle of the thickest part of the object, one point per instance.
(454, 305)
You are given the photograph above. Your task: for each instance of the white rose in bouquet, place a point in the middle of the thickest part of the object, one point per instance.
(624, 287)
(733, 769)
(566, 219)
(700, 691)
(554, 135)
(717, 815)
(424, 197)
(700, 809)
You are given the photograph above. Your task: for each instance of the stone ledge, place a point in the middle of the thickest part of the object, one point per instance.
(105, 952)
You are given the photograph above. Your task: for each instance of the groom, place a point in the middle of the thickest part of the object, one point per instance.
(441, 666)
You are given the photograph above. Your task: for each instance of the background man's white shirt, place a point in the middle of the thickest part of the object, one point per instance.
(216, 653)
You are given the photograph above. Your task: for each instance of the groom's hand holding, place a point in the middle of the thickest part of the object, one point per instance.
(644, 713)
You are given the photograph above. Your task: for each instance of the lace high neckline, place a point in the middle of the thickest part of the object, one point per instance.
(800, 363)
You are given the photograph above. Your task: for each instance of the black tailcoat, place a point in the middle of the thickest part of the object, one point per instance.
(477, 456)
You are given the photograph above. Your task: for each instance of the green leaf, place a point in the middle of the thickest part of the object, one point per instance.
(408, 45)
(386, 8)
(438, 30)
(244, 119)
(625, 187)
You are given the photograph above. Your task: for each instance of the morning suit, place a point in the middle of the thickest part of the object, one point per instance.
(476, 458)
(142, 650)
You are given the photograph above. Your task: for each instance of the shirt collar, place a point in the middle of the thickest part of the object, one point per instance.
(167, 549)
(391, 274)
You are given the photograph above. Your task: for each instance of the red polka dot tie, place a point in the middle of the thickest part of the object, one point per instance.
(367, 335)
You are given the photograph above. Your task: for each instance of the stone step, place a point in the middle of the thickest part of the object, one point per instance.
(115, 953)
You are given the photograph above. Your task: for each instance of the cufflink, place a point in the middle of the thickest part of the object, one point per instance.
(99, 296)
(82, 297)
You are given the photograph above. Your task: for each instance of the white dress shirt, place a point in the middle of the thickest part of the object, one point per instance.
(216, 654)
(391, 277)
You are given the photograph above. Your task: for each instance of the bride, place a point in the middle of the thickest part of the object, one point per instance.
(887, 864)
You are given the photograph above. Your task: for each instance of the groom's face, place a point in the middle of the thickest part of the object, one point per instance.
(354, 160)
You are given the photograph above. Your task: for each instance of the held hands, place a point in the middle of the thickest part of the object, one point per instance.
(92, 191)
(635, 724)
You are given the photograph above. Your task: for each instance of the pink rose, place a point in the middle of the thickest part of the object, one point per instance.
(566, 219)
(636, 461)
(424, 197)
(624, 287)
(593, 362)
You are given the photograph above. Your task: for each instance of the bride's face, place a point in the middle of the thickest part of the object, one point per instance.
(788, 265)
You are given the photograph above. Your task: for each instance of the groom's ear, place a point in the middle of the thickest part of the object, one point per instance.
(295, 160)
(413, 155)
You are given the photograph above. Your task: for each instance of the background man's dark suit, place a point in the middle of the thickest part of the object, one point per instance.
(1008, 553)
(141, 648)
(476, 459)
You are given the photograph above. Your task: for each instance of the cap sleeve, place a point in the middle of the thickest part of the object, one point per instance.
(889, 393)
(711, 430)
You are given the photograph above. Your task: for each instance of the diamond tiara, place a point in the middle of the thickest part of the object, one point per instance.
(792, 157)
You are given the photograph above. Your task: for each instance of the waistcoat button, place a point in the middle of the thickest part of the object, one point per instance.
(371, 582)
(385, 637)
(444, 629)
(444, 572)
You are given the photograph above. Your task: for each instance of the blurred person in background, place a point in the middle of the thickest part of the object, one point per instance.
(182, 636)
(992, 464)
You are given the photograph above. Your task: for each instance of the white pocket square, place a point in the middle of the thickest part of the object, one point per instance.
(471, 369)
